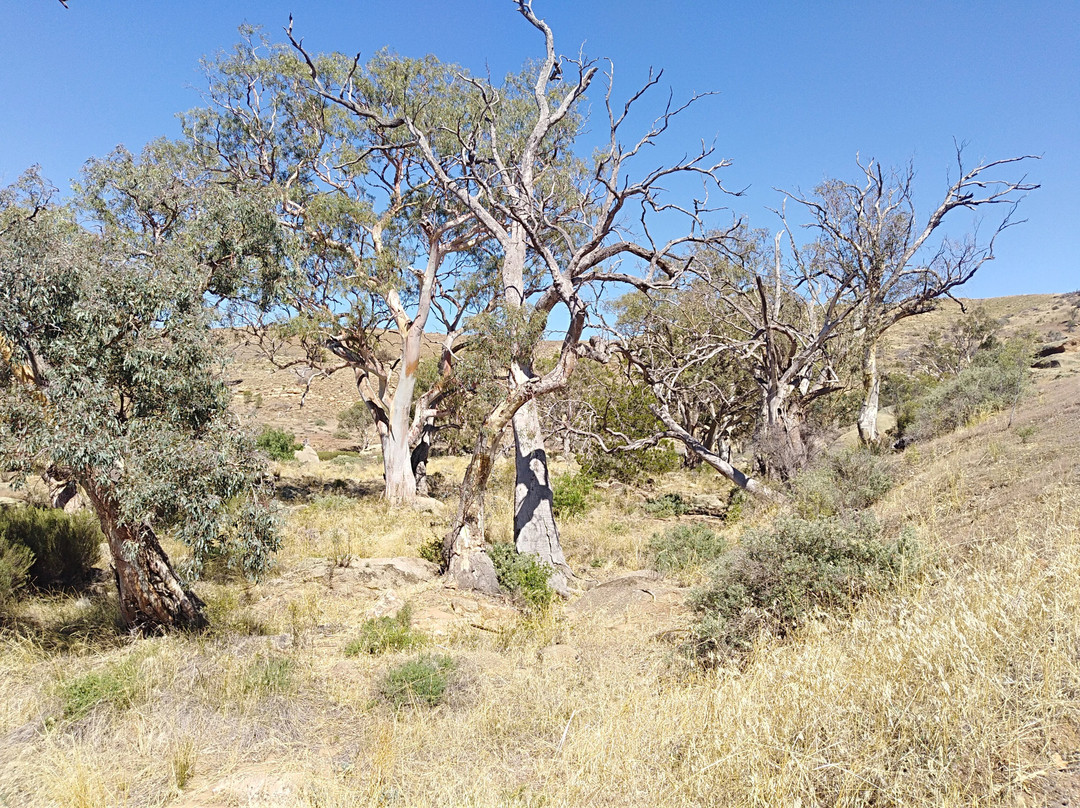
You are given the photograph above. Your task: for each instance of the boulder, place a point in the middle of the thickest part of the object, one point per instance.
(307, 456)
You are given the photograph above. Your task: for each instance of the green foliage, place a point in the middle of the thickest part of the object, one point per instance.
(270, 675)
(106, 298)
(64, 546)
(278, 443)
(683, 547)
(849, 480)
(15, 562)
(117, 685)
(629, 467)
(355, 418)
(994, 381)
(421, 682)
(572, 493)
(775, 579)
(432, 550)
(523, 575)
(666, 506)
(381, 634)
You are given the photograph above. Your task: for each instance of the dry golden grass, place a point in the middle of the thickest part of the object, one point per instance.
(960, 689)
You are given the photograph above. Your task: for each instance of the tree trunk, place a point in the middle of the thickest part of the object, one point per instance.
(397, 460)
(152, 597)
(535, 530)
(63, 493)
(421, 453)
(871, 382)
(782, 451)
(467, 565)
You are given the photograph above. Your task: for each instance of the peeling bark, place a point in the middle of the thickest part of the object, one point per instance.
(152, 596)
(871, 382)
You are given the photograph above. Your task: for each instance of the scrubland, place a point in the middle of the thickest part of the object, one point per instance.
(960, 686)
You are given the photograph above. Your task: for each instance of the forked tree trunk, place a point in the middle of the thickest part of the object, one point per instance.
(782, 451)
(535, 530)
(871, 382)
(152, 597)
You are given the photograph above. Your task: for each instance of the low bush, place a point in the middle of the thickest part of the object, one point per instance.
(432, 550)
(850, 480)
(666, 506)
(629, 467)
(64, 546)
(381, 634)
(15, 562)
(774, 579)
(280, 444)
(685, 546)
(572, 494)
(523, 575)
(117, 686)
(994, 381)
(421, 682)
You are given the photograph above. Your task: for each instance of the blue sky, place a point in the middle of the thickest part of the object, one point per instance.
(801, 86)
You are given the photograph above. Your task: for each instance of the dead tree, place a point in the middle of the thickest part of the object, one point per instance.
(868, 231)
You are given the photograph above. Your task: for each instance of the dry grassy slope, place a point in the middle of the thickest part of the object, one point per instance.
(263, 394)
(961, 689)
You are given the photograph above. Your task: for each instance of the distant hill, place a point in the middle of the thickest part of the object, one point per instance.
(267, 395)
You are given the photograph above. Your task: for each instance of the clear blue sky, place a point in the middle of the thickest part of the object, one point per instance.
(802, 86)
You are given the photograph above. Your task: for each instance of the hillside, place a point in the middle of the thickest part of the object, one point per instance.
(958, 687)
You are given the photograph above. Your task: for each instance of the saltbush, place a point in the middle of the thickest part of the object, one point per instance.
(572, 494)
(381, 634)
(774, 579)
(523, 575)
(684, 546)
(994, 381)
(849, 480)
(280, 444)
(419, 682)
(666, 506)
(64, 546)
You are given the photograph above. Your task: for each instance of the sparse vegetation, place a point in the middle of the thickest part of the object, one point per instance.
(378, 635)
(420, 682)
(116, 686)
(849, 480)
(666, 506)
(15, 563)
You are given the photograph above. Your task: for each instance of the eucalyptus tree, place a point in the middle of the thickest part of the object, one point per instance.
(377, 255)
(561, 225)
(869, 232)
(110, 373)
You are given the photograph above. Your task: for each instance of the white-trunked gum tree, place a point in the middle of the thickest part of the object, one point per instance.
(562, 225)
(378, 255)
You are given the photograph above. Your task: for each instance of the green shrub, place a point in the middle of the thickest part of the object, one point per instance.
(853, 479)
(684, 546)
(774, 579)
(381, 634)
(117, 685)
(628, 467)
(278, 443)
(572, 494)
(523, 575)
(666, 506)
(64, 546)
(420, 682)
(994, 381)
(432, 550)
(15, 562)
(269, 675)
